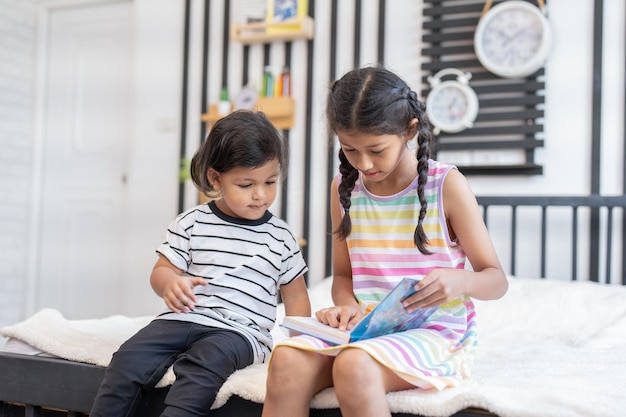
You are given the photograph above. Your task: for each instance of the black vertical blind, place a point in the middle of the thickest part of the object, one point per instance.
(510, 110)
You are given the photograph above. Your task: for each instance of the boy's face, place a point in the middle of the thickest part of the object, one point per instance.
(246, 193)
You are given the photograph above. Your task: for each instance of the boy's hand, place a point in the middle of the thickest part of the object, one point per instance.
(178, 294)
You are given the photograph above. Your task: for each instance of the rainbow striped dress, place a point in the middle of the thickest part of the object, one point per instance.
(440, 353)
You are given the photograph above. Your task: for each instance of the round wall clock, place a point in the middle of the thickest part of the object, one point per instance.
(451, 105)
(513, 38)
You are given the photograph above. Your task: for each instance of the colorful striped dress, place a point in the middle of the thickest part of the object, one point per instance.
(440, 353)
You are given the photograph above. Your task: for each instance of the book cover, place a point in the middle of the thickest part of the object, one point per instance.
(389, 316)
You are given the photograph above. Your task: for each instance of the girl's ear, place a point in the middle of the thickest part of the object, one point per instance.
(214, 178)
(412, 130)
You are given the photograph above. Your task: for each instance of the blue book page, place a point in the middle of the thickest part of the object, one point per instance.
(389, 316)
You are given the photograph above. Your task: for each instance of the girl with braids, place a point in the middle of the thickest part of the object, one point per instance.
(395, 213)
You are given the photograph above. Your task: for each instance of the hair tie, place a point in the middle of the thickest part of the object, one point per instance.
(409, 94)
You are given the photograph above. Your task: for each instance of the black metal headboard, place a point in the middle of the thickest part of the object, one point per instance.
(604, 216)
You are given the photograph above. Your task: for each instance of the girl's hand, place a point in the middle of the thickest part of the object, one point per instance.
(178, 293)
(437, 287)
(341, 317)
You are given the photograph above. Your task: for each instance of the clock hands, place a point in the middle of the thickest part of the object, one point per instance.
(451, 105)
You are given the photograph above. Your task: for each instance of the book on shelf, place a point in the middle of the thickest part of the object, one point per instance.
(389, 316)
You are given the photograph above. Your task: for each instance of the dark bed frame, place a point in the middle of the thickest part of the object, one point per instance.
(35, 386)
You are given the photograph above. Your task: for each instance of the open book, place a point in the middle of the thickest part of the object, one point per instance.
(389, 316)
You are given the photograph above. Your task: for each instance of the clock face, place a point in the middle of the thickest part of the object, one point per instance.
(512, 39)
(451, 107)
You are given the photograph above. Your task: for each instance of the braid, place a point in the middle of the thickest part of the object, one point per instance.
(349, 175)
(424, 139)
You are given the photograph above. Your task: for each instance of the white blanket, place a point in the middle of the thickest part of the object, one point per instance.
(547, 349)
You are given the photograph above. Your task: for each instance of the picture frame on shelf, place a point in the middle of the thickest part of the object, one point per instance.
(284, 10)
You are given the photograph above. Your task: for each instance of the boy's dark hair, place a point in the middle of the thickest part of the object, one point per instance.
(242, 139)
(375, 101)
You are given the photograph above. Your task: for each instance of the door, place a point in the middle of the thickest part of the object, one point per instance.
(86, 127)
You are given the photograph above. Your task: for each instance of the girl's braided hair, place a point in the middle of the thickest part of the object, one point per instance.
(375, 101)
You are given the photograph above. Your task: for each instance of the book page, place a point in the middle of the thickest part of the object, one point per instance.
(313, 327)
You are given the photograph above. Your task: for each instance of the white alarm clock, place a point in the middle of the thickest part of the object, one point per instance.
(451, 105)
(513, 39)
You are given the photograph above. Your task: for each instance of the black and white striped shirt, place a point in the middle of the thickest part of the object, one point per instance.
(244, 263)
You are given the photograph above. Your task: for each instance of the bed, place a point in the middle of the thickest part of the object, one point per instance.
(552, 346)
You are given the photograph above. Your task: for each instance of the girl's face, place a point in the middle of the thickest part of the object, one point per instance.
(246, 193)
(378, 156)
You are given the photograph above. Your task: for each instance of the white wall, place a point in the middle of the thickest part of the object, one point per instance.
(153, 174)
(17, 80)
(153, 177)
(157, 101)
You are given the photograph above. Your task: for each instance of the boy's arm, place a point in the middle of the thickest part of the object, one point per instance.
(175, 288)
(296, 298)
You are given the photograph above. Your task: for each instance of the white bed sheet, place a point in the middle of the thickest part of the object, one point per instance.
(546, 349)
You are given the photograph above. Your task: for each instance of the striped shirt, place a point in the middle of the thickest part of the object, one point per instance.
(381, 246)
(244, 262)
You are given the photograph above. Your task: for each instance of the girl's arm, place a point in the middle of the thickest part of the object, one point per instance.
(465, 221)
(346, 312)
(173, 286)
(296, 298)
(487, 280)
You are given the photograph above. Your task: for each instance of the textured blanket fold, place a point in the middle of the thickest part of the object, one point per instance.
(547, 348)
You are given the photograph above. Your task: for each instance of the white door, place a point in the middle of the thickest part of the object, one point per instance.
(85, 144)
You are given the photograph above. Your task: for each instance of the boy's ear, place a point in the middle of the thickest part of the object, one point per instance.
(214, 178)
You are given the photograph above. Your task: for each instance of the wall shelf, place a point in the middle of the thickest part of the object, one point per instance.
(279, 110)
(266, 32)
(522, 169)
